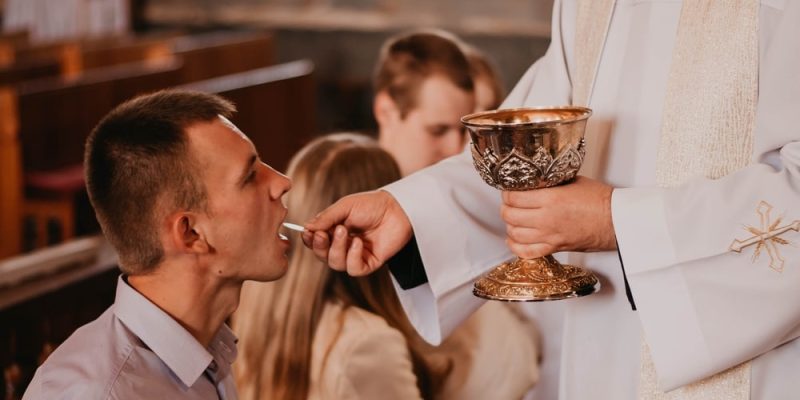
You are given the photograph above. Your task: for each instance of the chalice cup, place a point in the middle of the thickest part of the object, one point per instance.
(525, 149)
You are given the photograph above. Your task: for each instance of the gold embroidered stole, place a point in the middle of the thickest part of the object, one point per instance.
(709, 112)
(707, 131)
(592, 21)
(707, 124)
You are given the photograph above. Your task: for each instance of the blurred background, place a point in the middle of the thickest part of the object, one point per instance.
(295, 68)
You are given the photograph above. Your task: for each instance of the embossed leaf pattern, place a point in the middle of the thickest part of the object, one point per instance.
(490, 157)
(566, 166)
(542, 159)
(481, 164)
(517, 172)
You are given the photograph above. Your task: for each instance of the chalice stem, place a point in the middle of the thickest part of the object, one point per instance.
(551, 266)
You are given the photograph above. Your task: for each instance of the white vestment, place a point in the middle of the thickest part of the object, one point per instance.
(702, 307)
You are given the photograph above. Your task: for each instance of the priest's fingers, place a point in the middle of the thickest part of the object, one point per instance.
(530, 250)
(355, 258)
(320, 244)
(308, 238)
(334, 215)
(526, 199)
(337, 255)
(537, 218)
(521, 234)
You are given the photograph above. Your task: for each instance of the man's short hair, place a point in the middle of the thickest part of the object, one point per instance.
(139, 169)
(406, 60)
(481, 67)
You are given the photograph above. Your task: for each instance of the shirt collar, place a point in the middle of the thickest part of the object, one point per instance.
(223, 348)
(171, 342)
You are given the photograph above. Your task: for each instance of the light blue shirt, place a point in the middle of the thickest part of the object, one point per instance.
(135, 350)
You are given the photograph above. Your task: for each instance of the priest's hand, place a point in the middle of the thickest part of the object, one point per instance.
(358, 233)
(571, 217)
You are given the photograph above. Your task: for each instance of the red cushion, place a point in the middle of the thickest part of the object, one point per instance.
(64, 180)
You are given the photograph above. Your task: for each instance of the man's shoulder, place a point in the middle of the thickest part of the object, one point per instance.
(87, 363)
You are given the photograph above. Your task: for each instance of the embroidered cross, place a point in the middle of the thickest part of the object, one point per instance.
(766, 237)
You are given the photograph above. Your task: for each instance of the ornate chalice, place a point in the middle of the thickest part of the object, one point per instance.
(525, 149)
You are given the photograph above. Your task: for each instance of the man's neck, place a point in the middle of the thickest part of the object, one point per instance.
(201, 305)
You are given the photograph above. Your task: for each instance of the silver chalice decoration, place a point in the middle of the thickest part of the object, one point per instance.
(525, 149)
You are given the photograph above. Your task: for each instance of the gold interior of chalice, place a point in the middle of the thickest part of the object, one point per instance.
(526, 149)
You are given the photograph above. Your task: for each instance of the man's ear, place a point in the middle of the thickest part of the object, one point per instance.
(186, 234)
(385, 109)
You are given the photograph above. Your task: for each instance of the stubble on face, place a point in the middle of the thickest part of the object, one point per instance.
(243, 218)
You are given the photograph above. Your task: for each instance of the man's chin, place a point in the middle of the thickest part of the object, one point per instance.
(282, 272)
(276, 271)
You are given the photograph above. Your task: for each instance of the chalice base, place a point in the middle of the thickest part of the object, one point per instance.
(538, 279)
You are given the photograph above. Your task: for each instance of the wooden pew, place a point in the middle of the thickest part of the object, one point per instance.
(67, 54)
(54, 117)
(209, 55)
(77, 55)
(44, 297)
(29, 70)
(15, 38)
(8, 42)
(204, 56)
(128, 49)
(74, 106)
(276, 107)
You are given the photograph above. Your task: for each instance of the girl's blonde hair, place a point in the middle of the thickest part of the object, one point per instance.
(276, 321)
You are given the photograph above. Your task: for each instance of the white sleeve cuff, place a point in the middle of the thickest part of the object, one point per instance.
(647, 250)
(641, 227)
(424, 310)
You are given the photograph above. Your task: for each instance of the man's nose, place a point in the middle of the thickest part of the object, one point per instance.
(279, 184)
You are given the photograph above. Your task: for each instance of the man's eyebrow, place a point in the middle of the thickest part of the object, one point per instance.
(247, 168)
